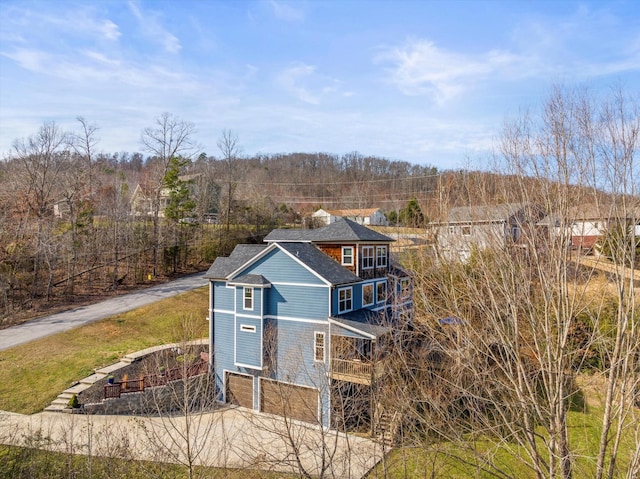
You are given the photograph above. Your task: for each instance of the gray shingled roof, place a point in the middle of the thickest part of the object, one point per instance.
(362, 320)
(307, 254)
(319, 262)
(223, 266)
(340, 231)
(254, 279)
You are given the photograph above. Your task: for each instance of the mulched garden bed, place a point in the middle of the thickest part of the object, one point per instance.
(150, 364)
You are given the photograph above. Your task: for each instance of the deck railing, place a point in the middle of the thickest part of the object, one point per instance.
(116, 389)
(363, 372)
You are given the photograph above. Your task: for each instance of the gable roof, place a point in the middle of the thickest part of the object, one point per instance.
(224, 266)
(308, 255)
(340, 231)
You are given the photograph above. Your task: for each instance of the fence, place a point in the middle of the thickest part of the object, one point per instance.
(116, 389)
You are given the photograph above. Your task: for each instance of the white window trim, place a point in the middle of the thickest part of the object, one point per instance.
(244, 298)
(382, 257)
(365, 257)
(350, 300)
(373, 294)
(247, 328)
(352, 262)
(315, 346)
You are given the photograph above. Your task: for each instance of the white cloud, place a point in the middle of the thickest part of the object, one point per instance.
(153, 29)
(421, 68)
(286, 12)
(304, 83)
(95, 68)
(291, 80)
(100, 57)
(110, 30)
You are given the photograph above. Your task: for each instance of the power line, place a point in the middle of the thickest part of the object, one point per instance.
(351, 182)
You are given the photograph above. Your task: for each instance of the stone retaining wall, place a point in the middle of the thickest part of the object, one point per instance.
(171, 397)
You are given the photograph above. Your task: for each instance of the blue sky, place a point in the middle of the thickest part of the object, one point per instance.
(428, 82)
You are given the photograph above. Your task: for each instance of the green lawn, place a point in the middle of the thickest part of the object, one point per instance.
(32, 463)
(444, 460)
(33, 374)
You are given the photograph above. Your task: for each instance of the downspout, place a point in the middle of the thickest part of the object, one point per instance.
(211, 326)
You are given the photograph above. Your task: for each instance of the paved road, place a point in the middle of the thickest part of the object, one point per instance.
(56, 323)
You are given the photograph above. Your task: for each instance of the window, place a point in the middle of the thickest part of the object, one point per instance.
(345, 302)
(405, 288)
(466, 230)
(247, 329)
(248, 298)
(319, 347)
(381, 256)
(367, 294)
(367, 257)
(381, 294)
(347, 255)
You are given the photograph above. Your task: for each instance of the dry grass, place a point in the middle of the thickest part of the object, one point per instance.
(33, 374)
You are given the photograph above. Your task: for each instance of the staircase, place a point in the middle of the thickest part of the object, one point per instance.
(60, 404)
(386, 429)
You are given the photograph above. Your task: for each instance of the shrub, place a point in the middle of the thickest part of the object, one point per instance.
(73, 402)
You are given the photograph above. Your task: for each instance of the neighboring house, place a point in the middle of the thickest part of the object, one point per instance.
(143, 197)
(585, 225)
(298, 325)
(366, 216)
(483, 227)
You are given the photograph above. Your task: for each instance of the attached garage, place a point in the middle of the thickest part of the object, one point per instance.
(296, 402)
(239, 390)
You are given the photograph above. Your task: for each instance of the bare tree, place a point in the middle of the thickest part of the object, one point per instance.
(169, 138)
(75, 204)
(183, 431)
(530, 316)
(41, 159)
(230, 150)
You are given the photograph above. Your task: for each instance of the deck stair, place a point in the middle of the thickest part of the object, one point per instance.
(386, 429)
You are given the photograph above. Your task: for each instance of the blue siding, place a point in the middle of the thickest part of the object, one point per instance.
(257, 301)
(248, 344)
(298, 302)
(223, 348)
(222, 296)
(295, 353)
(279, 267)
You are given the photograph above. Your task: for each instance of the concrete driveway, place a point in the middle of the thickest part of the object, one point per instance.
(226, 438)
(56, 323)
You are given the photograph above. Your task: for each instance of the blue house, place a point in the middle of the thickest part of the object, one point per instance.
(298, 325)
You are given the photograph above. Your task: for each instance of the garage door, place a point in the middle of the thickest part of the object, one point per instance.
(296, 402)
(240, 390)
